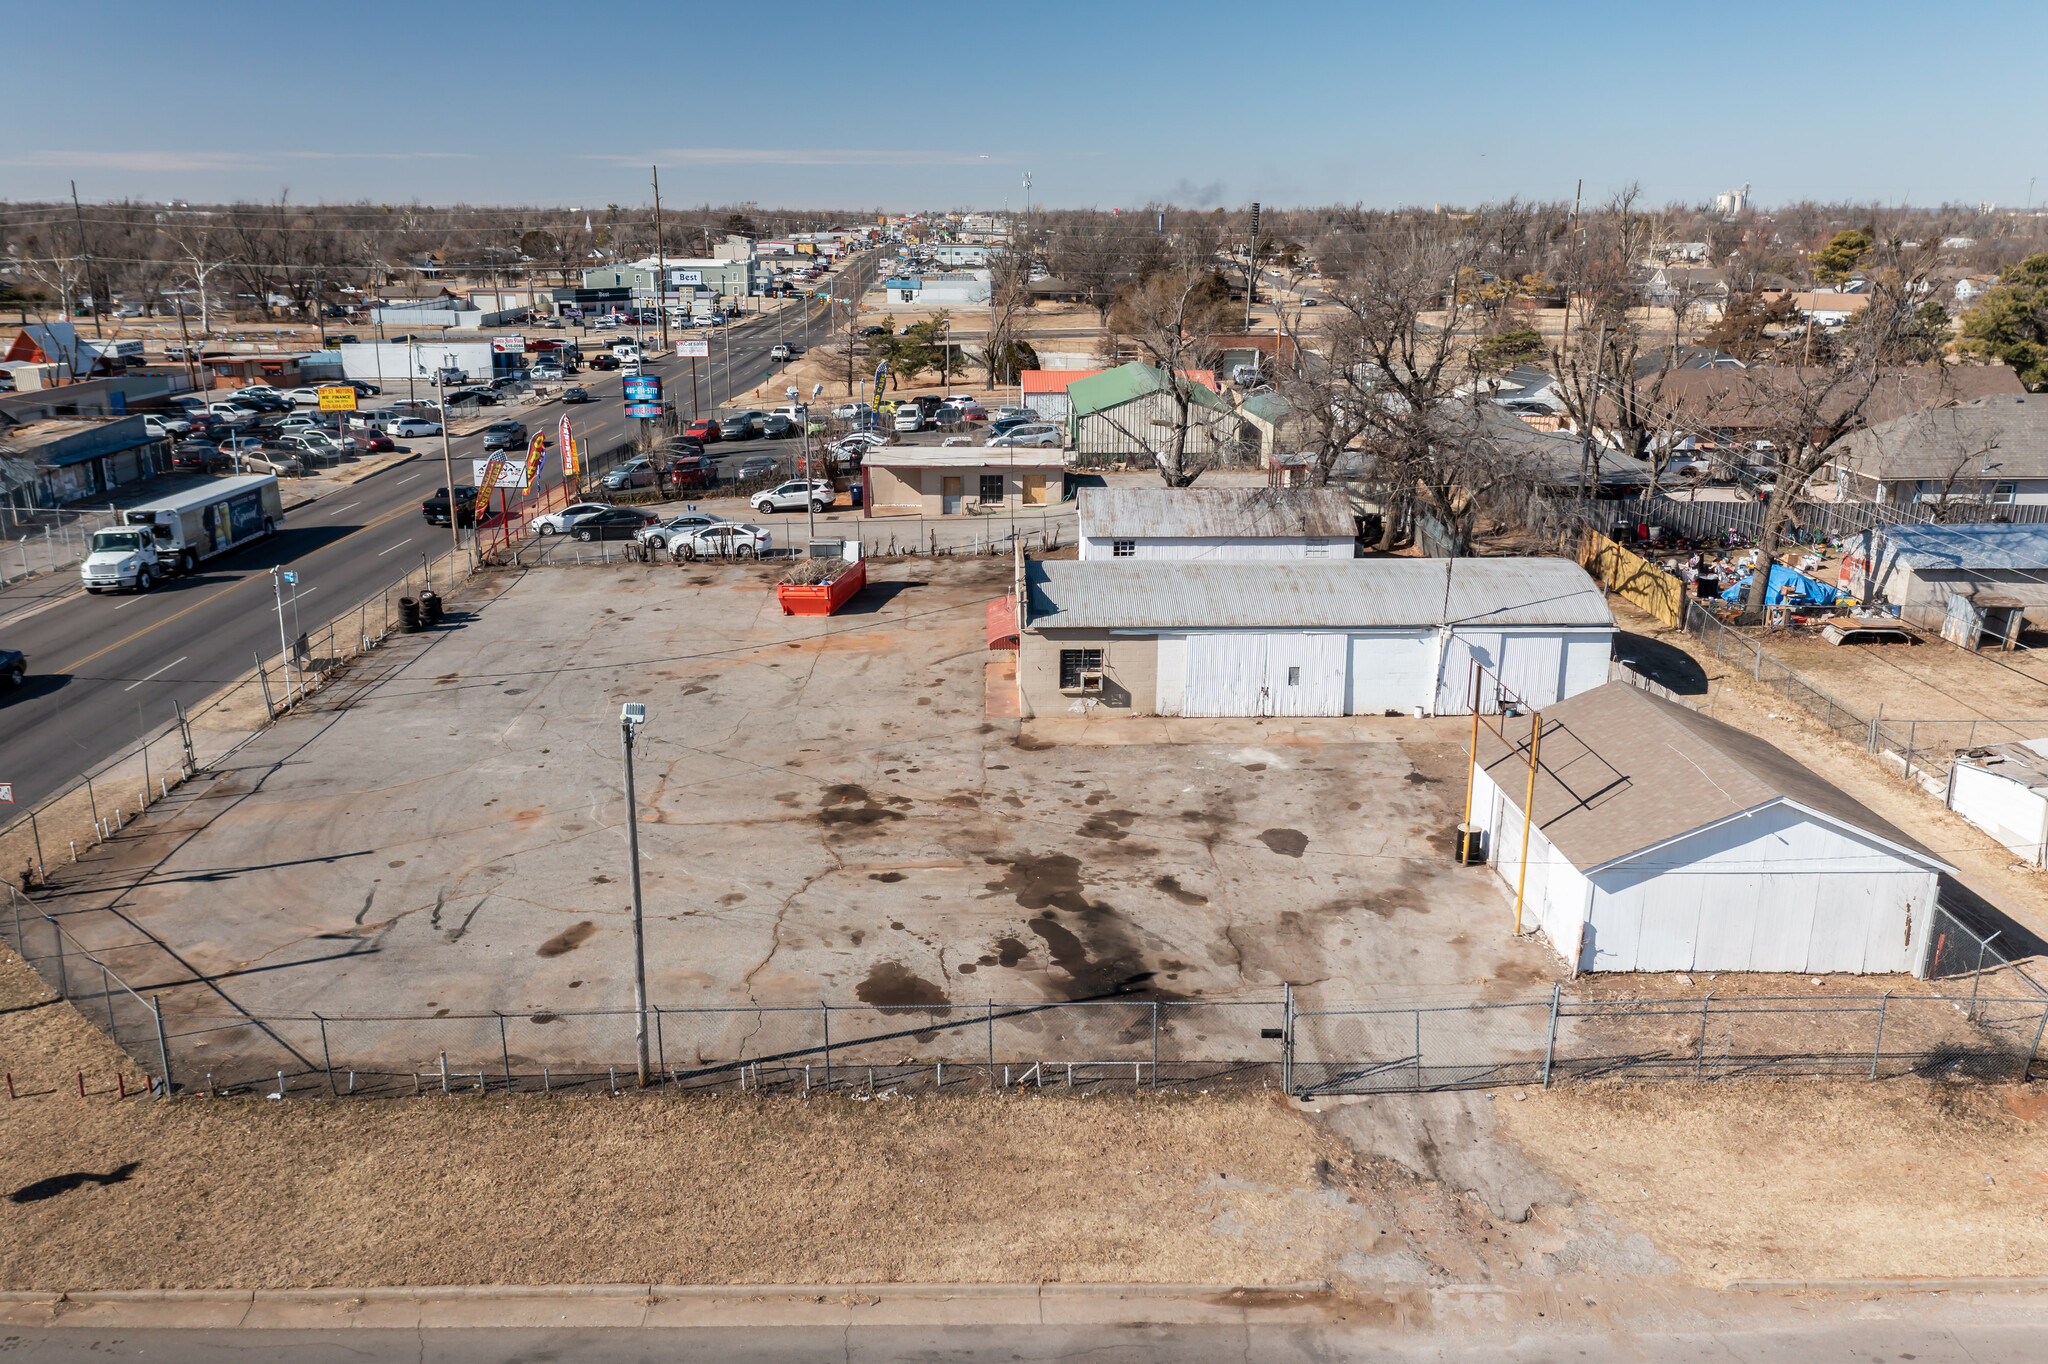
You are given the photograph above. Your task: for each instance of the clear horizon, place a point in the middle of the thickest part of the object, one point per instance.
(933, 107)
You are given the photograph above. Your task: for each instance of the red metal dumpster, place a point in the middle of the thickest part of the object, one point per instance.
(825, 597)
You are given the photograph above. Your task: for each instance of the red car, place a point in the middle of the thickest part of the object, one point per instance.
(692, 471)
(372, 442)
(705, 431)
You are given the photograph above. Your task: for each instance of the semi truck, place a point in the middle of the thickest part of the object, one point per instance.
(177, 534)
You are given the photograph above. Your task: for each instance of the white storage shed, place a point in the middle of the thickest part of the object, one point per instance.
(1663, 840)
(1306, 637)
(1129, 524)
(2003, 790)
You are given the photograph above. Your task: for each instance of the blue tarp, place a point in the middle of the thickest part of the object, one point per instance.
(1786, 583)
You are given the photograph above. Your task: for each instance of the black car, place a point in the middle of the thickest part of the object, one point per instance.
(362, 389)
(619, 523)
(741, 426)
(435, 508)
(263, 402)
(778, 427)
(874, 331)
(576, 395)
(194, 457)
(482, 397)
(13, 666)
(602, 361)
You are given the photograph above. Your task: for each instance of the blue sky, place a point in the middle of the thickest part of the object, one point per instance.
(904, 106)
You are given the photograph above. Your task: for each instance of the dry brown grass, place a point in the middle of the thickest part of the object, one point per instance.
(537, 1191)
(1808, 1180)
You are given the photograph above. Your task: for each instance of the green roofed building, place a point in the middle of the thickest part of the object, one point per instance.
(1129, 411)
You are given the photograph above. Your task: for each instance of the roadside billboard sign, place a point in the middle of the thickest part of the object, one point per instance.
(508, 345)
(694, 349)
(643, 388)
(643, 409)
(337, 399)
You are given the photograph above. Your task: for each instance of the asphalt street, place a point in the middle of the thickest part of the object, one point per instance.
(106, 670)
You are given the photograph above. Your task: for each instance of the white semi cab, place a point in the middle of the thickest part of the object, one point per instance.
(176, 534)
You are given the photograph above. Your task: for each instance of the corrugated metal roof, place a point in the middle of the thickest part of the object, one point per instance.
(1267, 407)
(1993, 545)
(1202, 513)
(1620, 770)
(1312, 594)
(1113, 387)
(965, 457)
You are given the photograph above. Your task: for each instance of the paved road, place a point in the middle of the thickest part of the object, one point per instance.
(105, 670)
(1832, 1337)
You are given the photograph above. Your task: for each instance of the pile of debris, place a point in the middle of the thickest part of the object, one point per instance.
(811, 572)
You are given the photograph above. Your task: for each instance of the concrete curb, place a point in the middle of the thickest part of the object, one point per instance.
(1977, 1285)
(670, 1306)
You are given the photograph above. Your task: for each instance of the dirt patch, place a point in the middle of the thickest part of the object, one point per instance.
(567, 941)
(1806, 1179)
(847, 804)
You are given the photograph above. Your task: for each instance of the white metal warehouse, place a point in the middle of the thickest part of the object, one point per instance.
(1663, 840)
(1216, 523)
(1305, 637)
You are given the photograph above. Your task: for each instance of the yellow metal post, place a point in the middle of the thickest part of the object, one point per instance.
(1528, 813)
(1471, 778)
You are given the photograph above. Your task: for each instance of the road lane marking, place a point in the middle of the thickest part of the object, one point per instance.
(166, 668)
(350, 507)
(400, 545)
(254, 577)
(408, 478)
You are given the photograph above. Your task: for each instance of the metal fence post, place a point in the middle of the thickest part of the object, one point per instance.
(661, 1051)
(2028, 1066)
(1877, 1047)
(63, 976)
(1155, 1044)
(107, 1003)
(1699, 1060)
(163, 1046)
(1286, 1038)
(504, 1050)
(1550, 1040)
(1977, 980)
(991, 1044)
(1418, 1051)
(825, 1012)
(326, 1059)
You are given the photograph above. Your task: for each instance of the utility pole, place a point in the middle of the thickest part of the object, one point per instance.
(99, 302)
(660, 264)
(631, 717)
(454, 509)
(1251, 268)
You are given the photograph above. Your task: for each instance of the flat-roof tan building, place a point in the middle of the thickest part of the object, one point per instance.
(933, 481)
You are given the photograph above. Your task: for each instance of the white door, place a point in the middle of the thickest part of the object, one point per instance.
(1391, 670)
(1173, 673)
(1305, 674)
(1226, 674)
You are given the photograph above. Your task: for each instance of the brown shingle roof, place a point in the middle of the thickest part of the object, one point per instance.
(1729, 397)
(2004, 437)
(1621, 770)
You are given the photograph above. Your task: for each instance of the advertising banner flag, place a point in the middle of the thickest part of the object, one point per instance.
(489, 481)
(536, 458)
(571, 465)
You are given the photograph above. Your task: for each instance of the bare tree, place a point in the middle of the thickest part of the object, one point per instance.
(1170, 321)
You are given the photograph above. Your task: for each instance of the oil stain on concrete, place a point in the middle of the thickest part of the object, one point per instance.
(568, 940)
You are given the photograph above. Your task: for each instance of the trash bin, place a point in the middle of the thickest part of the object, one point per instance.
(408, 616)
(1471, 845)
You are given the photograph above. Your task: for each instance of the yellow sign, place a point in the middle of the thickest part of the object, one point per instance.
(337, 399)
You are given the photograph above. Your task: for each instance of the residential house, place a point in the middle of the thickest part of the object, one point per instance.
(1991, 452)
(1919, 569)
(930, 480)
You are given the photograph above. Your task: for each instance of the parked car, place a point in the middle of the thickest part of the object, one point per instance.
(576, 395)
(726, 540)
(165, 428)
(435, 508)
(421, 406)
(507, 383)
(613, 523)
(505, 435)
(602, 361)
(659, 535)
(475, 393)
(1014, 414)
(308, 396)
(705, 430)
(546, 373)
(691, 471)
(779, 427)
(741, 426)
(559, 522)
(414, 426)
(194, 457)
(639, 473)
(909, 418)
(757, 467)
(874, 331)
(372, 442)
(1031, 433)
(363, 388)
(795, 495)
(233, 412)
(949, 415)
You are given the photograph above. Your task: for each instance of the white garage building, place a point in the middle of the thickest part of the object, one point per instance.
(1216, 523)
(1666, 841)
(1305, 637)
(2003, 790)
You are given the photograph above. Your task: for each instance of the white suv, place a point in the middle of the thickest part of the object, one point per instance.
(795, 495)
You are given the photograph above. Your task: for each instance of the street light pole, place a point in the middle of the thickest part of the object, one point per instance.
(454, 513)
(631, 717)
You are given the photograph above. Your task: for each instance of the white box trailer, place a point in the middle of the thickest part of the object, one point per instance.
(177, 534)
(385, 363)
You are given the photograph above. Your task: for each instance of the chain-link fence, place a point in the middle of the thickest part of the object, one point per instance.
(92, 986)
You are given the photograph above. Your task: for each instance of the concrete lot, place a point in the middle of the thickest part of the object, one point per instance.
(828, 812)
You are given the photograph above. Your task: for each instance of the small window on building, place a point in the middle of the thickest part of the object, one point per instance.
(1294, 677)
(1315, 549)
(1123, 549)
(2002, 493)
(1077, 666)
(991, 488)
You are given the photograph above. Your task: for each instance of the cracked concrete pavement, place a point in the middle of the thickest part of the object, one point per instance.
(826, 812)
